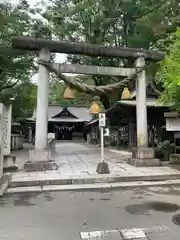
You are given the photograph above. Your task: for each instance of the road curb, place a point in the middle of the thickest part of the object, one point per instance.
(97, 186)
(105, 178)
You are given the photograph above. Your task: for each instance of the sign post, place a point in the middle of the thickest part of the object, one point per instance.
(102, 124)
(102, 167)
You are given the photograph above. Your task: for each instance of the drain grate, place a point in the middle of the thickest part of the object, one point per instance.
(176, 219)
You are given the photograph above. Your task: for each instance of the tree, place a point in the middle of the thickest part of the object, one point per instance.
(17, 66)
(169, 72)
(130, 23)
(159, 17)
(24, 103)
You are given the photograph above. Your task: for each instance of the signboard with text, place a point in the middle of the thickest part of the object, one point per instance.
(7, 129)
(102, 120)
(173, 124)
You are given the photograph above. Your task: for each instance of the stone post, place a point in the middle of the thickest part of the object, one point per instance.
(40, 159)
(42, 104)
(141, 107)
(142, 155)
(30, 135)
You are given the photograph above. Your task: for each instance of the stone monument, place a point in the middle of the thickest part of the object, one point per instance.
(9, 160)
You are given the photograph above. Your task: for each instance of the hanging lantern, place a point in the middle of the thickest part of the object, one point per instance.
(126, 94)
(68, 93)
(94, 109)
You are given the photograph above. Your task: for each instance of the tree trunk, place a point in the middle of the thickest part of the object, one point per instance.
(105, 101)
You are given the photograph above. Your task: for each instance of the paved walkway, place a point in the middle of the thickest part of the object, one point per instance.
(77, 157)
(81, 159)
(77, 166)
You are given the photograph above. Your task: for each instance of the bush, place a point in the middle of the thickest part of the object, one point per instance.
(178, 149)
(164, 150)
(113, 142)
(159, 153)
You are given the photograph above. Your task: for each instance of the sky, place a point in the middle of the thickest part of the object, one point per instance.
(60, 58)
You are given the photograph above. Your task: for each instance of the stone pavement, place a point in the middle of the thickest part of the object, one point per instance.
(77, 165)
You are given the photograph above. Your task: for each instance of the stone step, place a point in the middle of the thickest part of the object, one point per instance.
(40, 179)
(97, 186)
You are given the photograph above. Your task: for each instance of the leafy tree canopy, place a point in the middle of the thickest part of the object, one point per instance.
(137, 24)
(169, 72)
(17, 67)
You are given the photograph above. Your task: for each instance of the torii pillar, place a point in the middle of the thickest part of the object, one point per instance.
(42, 104)
(141, 106)
(142, 155)
(40, 157)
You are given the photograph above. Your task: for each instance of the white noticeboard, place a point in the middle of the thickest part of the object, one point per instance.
(7, 129)
(1, 138)
(173, 124)
(106, 132)
(102, 120)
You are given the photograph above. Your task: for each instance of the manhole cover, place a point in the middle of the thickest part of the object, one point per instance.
(176, 219)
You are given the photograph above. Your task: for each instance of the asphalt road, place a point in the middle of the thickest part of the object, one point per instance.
(63, 215)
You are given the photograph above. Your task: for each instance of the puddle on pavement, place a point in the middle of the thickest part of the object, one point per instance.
(18, 200)
(104, 199)
(137, 197)
(137, 209)
(101, 199)
(164, 206)
(172, 190)
(91, 199)
(49, 197)
(26, 200)
(176, 219)
(146, 207)
(23, 202)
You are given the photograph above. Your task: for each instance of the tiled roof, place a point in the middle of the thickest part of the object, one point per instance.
(78, 111)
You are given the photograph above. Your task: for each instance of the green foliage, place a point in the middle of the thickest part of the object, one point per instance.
(57, 89)
(24, 103)
(17, 67)
(137, 24)
(164, 150)
(169, 71)
(15, 20)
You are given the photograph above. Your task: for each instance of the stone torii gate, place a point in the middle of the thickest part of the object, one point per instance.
(46, 47)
